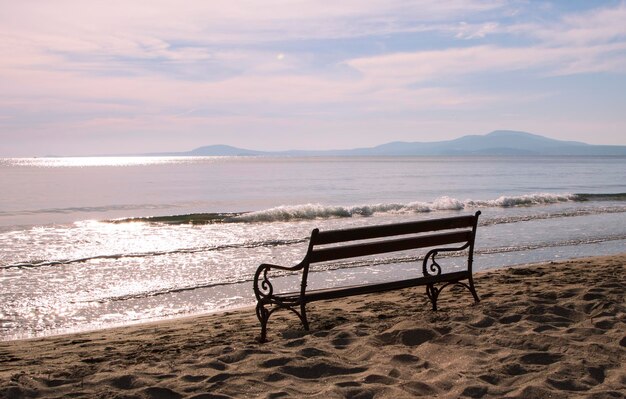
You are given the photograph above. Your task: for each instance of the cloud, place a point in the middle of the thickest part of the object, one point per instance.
(402, 69)
(211, 40)
(582, 43)
(141, 65)
(599, 26)
(471, 31)
(230, 21)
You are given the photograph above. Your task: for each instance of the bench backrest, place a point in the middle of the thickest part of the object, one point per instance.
(350, 243)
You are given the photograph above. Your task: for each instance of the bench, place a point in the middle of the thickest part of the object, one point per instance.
(443, 235)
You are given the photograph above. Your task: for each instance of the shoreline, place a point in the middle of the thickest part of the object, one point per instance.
(88, 328)
(549, 329)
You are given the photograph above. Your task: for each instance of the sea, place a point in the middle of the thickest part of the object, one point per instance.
(99, 242)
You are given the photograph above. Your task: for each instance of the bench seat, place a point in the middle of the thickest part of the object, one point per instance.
(352, 290)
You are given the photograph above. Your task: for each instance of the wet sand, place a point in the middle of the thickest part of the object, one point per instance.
(553, 330)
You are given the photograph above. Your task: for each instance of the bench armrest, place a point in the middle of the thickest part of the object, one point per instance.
(269, 266)
(263, 288)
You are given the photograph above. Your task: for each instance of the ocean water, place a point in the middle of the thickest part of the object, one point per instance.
(89, 243)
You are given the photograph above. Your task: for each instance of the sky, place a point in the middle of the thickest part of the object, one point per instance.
(97, 77)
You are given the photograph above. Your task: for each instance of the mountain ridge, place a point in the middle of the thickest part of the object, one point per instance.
(498, 142)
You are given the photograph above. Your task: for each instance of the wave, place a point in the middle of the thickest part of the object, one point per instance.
(244, 245)
(601, 197)
(286, 213)
(166, 291)
(319, 211)
(523, 200)
(191, 218)
(488, 221)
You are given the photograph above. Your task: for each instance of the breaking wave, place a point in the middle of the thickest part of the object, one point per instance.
(318, 211)
(285, 213)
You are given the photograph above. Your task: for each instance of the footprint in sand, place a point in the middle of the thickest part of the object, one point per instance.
(576, 377)
(541, 358)
(406, 359)
(160, 393)
(193, 378)
(320, 369)
(276, 362)
(126, 382)
(379, 379)
(275, 377)
(342, 340)
(214, 365)
(209, 396)
(404, 334)
(312, 352)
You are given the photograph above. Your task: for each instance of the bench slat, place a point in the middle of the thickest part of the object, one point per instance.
(379, 247)
(369, 232)
(333, 293)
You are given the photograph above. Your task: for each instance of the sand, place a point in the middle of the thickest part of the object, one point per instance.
(555, 330)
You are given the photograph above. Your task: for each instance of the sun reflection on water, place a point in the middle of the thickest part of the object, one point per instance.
(110, 161)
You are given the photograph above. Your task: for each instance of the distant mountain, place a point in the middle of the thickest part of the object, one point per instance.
(213, 150)
(499, 142)
(224, 150)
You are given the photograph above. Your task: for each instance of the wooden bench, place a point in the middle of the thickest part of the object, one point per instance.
(331, 245)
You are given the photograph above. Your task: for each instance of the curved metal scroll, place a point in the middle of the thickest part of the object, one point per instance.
(264, 292)
(264, 288)
(434, 269)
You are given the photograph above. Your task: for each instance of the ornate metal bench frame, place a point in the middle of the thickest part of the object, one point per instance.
(460, 230)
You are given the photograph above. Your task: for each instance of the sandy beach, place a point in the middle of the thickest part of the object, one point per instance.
(554, 330)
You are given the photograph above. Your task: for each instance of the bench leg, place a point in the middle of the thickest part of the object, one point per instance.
(263, 315)
(473, 289)
(305, 322)
(433, 294)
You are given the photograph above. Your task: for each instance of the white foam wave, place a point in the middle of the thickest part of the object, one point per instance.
(315, 211)
(285, 213)
(523, 200)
